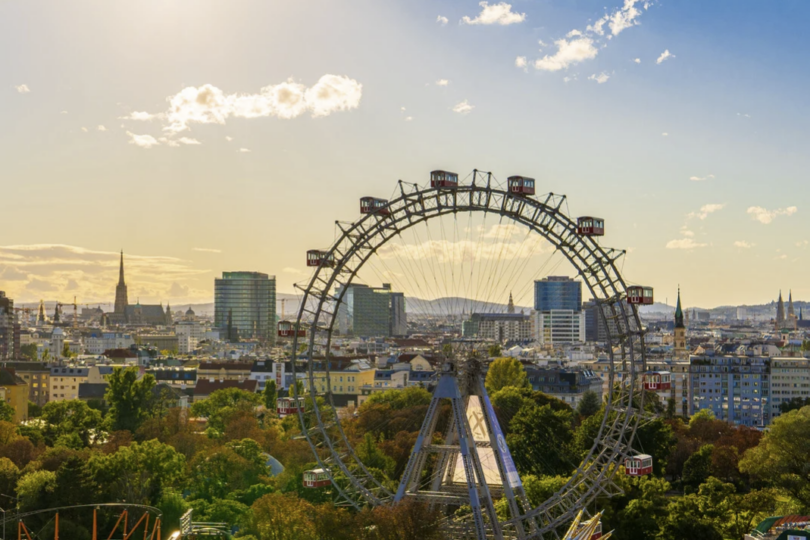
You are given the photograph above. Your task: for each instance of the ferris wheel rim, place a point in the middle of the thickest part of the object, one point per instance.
(358, 492)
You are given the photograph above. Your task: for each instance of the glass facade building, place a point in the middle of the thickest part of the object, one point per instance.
(248, 299)
(368, 311)
(557, 292)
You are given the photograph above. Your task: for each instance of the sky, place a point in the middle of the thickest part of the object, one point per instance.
(203, 136)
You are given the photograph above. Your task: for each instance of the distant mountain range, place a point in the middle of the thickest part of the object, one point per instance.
(439, 306)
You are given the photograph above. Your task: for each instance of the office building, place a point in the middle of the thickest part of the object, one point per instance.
(9, 329)
(399, 320)
(558, 316)
(245, 304)
(500, 327)
(559, 327)
(734, 388)
(557, 293)
(790, 379)
(370, 311)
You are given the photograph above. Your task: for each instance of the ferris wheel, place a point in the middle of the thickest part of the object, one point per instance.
(473, 465)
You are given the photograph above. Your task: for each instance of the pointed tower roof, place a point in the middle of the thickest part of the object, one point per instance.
(780, 309)
(679, 312)
(790, 311)
(511, 307)
(121, 270)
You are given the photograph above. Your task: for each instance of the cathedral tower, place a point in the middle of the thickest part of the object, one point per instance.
(121, 302)
(680, 329)
(780, 312)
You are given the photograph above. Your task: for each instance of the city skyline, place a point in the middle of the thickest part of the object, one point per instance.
(195, 153)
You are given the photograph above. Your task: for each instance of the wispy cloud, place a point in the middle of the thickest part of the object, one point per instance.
(500, 13)
(244, 150)
(705, 210)
(207, 104)
(22, 89)
(580, 45)
(442, 20)
(664, 56)
(637, 60)
(521, 62)
(442, 82)
(101, 128)
(743, 244)
(684, 243)
(463, 108)
(701, 178)
(568, 53)
(143, 141)
(765, 216)
(601, 78)
(141, 116)
(206, 250)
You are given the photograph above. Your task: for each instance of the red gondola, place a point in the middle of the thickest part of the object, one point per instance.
(639, 295)
(590, 226)
(443, 179)
(657, 380)
(316, 478)
(597, 534)
(320, 258)
(286, 329)
(520, 185)
(371, 205)
(288, 405)
(639, 465)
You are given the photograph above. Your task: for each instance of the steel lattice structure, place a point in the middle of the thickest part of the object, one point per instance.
(596, 266)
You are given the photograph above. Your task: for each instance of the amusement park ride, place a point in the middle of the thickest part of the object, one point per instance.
(456, 467)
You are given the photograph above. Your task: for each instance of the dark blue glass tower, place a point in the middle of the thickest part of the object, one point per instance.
(557, 292)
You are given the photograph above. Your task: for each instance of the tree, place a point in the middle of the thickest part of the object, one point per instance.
(221, 403)
(494, 350)
(697, 468)
(172, 506)
(34, 410)
(504, 372)
(9, 475)
(541, 441)
(270, 395)
(589, 404)
(29, 351)
(7, 412)
(794, 404)
(371, 456)
(238, 465)
(282, 517)
(138, 473)
(781, 457)
(73, 416)
(128, 398)
(66, 353)
(35, 490)
(684, 518)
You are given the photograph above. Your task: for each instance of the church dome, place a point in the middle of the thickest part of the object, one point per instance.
(189, 312)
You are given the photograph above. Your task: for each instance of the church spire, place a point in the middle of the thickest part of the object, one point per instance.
(780, 311)
(511, 307)
(790, 311)
(121, 300)
(121, 270)
(679, 312)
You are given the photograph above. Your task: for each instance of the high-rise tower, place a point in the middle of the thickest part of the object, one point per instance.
(680, 329)
(121, 302)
